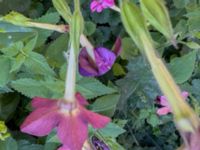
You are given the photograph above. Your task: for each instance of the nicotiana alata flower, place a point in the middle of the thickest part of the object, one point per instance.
(162, 101)
(69, 119)
(104, 60)
(100, 5)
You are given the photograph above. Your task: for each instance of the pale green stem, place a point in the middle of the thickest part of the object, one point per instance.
(179, 107)
(70, 82)
(89, 47)
(115, 8)
(58, 28)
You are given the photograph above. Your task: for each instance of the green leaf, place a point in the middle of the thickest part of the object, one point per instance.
(38, 64)
(13, 49)
(112, 130)
(129, 48)
(8, 105)
(9, 144)
(118, 70)
(26, 145)
(90, 28)
(5, 71)
(192, 45)
(16, 19)
(31, 88)
(55, 51)
(106, 104)
(181, 3)
(92, 88)
(183, 67)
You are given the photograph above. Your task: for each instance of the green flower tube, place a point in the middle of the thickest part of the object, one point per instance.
(157, 14)
(185, 118)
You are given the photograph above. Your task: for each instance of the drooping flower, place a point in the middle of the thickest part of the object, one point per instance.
(162, 101)
(104, 60)
(70, 120)
(100, 5)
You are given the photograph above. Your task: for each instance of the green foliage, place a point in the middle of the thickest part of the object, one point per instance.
(182, 68)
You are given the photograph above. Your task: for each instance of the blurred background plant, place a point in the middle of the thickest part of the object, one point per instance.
(32, 64)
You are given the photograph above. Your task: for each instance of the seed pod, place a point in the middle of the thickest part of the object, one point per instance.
(63, 9)
(134, 22)
(157, 14)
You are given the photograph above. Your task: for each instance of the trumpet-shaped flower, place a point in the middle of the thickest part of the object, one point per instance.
(100, 5)
(165, 109)
(69, 119)
(104, 60)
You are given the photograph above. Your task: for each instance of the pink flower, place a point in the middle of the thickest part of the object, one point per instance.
(70, 120)
(100, 5)
(162, 100)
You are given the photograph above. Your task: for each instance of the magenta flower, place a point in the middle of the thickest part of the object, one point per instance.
(104, 60)
(100, 5)
(70, 120)
(165, 109)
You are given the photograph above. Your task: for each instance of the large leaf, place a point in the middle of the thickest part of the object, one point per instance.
(106, 104)
(183, 67)
(92, 88)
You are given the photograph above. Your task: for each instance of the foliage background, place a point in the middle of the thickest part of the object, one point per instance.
(32, 64)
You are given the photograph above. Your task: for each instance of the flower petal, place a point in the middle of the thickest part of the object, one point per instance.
(40, 122)
(72, 131)
(64, 147)
(41, 102)
(81, 99)
(96, 120)
(117, 47)
(163, 111)
(104, 60)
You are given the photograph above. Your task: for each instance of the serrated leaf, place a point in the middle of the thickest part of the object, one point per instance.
(13, 49)
(186, 63)
(106, 104)
(31, 88)
(38, 64)
(92, 88)
(90, 28)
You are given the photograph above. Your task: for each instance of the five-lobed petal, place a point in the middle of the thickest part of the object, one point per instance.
(70, 121)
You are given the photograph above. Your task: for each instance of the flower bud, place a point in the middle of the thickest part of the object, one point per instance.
(157, 14)
(63, 8)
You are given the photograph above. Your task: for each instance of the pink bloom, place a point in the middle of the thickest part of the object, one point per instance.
(70, 119)
(100, 5)
(162, 100)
